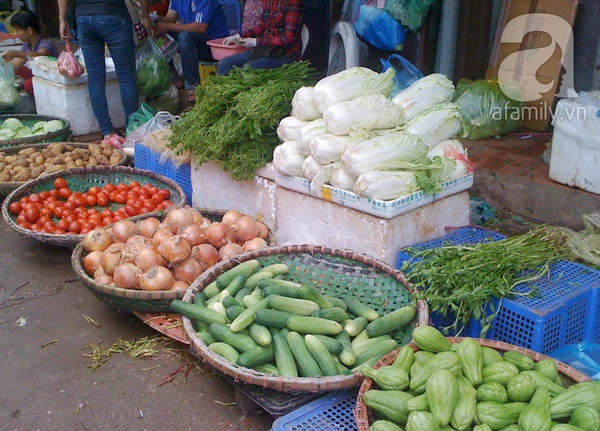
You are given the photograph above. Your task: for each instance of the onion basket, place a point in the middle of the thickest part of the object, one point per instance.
(81, 179)
(9, 186)
(365, 416)
(341, 273)
(140, 301)
(61, 135)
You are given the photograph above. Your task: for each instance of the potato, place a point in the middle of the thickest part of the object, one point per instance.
(71, 165)
(107, 152)
(40, 160)
(92, 162)
(69, 147)
(57, 148)
(23, 175)
(95, 148)
(2, 156)
(77, 154)
(2, 166)
(69, 159)
(10, 159)
(27, 151)
(102, 160)
(55, 168)
(37, 171)
(21, 162)
(59, 160)
(80, 163)
(115, 158)
(4, 177)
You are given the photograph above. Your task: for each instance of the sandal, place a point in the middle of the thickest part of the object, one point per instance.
(191, 97)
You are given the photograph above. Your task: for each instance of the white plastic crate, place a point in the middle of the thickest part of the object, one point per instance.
(72, 102)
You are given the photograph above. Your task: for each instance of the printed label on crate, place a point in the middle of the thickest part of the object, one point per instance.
(379, 208)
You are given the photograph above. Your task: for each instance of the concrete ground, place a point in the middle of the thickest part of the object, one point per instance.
(52, 328)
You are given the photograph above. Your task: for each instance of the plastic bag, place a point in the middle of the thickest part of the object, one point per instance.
(406, 72)
(411, 13)
(139, 117)
(153, 74)
(168, 46)
(159, 121)
(584, 356)
(485, 110)
(166, 102)
(9, 96)
(68, 65)
(379, 29)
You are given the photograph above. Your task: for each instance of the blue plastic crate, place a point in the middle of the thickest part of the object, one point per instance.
(331, 412)
(146, 158)
(564, 312)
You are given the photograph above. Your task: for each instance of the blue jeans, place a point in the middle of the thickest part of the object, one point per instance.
(192, 48)
(93, 32)
(243, 60)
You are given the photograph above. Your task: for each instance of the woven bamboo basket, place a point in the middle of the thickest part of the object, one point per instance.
(61, 135)
(140, 301)
(343, 273)
(365, 417)
(7, 187)
(82, 179)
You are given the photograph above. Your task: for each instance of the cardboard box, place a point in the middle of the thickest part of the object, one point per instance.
(541, 55)
(379, 208)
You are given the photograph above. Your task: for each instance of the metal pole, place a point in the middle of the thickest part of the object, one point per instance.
(446, 51)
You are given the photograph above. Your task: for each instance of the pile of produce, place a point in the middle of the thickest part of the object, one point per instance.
(256, 320)
(151, 254)
(462, 282)
(235, 118)
(467, 386)
(61, 210)
(29, 163)
(13, 128)
(347, 132)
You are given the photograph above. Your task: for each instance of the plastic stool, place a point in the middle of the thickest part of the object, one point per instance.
(206, 68)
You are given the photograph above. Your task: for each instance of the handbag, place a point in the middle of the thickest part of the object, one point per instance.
(139, 30)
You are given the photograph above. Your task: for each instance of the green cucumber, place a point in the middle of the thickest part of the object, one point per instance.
(311, 293)
(334, 313)
(240, 342)
(284, 359)
(321, 355)
(211, 290)
(365, 345)
(196, 312)
(260, 334)
(272, 318)
(246, 318)
(236, 284)
(333, 346)
(307, 366)
(356, 326)
(267, 368)
(253, 280)
(337, 302)
(200, 299)
(245, 268)
(206, 337)
(313, 325)
(374, 354)
(224, 350)
(239, 297)
(258, 355)
(233, 311)
(277, 269)
(359, 309)
(391, 321)
(274, 286)
(347, 355)
(229, 300)
(303, 307)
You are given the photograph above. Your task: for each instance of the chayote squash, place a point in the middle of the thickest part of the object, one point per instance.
(482, 427)
(586, 418)
(418, 403)
(577, 395)
(415, 368)
(490, 355)
(542, 381)
(465, 409)
(521, 388)
(405, 358)
(444, 360)
(519, 360)
(499, 372)
(430, 339)
(421, 421)
(536, 415)
(513, 427)
(423, 356)
(386, 377)
(493, 391)
(442, 395)
(390, 405)
(497, 415)
(471, 356)
(383, 425)
(564, 427)
(547, 368)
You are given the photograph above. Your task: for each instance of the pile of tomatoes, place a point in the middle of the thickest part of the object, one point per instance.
(64, 211)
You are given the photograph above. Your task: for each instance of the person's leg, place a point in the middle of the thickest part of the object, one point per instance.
(119, 38)
(192, 48)
(92, 46)
(267, 63)
(236, 60)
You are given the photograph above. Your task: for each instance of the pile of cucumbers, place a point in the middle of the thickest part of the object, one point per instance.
(255, 318)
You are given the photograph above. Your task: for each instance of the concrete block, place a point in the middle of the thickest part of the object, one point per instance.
(303, 219)
(212, 187)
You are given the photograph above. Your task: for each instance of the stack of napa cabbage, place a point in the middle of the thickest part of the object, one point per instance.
(346, 131)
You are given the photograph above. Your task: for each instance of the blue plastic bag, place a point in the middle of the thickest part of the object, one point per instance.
(406, 72)
(379, 29)
(584, 356)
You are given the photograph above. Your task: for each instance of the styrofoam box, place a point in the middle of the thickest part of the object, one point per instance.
(575, 159)
(379, 208)
(73, 103)
(55, 76)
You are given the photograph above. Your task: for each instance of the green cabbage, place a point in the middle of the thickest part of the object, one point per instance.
(12, 124)
(23, 132)
(53, 126)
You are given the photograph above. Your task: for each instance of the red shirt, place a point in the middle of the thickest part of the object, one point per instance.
(280, 27)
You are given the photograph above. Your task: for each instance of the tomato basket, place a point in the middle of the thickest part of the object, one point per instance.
(365, 416)
(81, 179)
(341, 273)
(9, 186)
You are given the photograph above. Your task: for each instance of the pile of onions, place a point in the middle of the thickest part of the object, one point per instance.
(153, 255)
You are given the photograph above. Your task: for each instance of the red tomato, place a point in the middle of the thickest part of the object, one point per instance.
(46, 211)
(149, 206)
(32, 214)
(101, 200)
(94, 222)
(146, 193)
(75, 226)
(92, 210)
(166, 204)
(54, 193)
(107, 221)
(15, 208)
(70, 218)
(122, 187)
(134, 184)
(60, 231)
(24, 224)
(24, 200)
(109, 187)
(44, 194)
(106, 213)
(70, 205)
(157, 198)
(64, 192)
(90, 200)
(94, 190)
(165, 192)
(118, 216)
(121, 198)
(131, 210)
(60, 183)
(152, 189)
(63, 224)
(49, 225)
(21, 218)
(43, 220)
(144, 211)
(35, 227)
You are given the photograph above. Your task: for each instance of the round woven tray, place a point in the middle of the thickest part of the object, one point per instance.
(9, 186)
(82, 179)
(63, 134)
(364, 416)
(342, 273)
(143, 301)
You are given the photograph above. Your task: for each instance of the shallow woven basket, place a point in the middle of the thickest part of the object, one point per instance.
(339, 272)
(63, 134)
(365, 416)
(9, 186)
(128, 300)
(82, 179)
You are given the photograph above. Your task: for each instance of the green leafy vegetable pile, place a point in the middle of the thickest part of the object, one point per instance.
(461, 281)
(234, 122)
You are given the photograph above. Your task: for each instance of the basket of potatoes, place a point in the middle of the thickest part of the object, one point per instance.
(23, 163)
